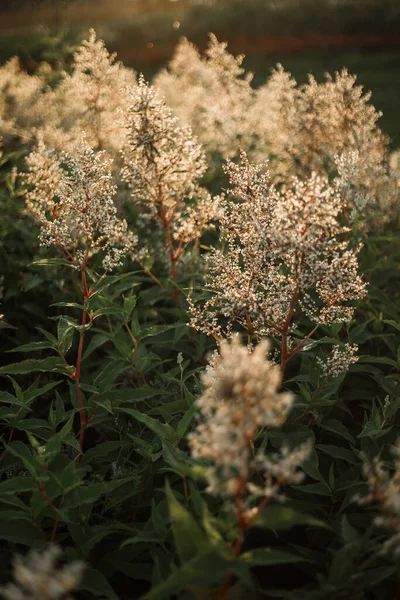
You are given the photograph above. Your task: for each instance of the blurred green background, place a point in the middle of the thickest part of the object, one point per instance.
(306, 36)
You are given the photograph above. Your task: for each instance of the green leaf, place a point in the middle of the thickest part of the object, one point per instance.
(19, 532)
(96, 341)
(32, 347)
(51, 364)
(158, 521)
(22, 452)
(35, 392)
(392, 323)
(100, 451)
(110, 280)
(348, 532)
(88, 494)
(156, 330)
(107, 376)
(185, 422)
(95, 583)
(336, 426)
(52, 262)
(320, 489)
(4, 325)
(269, 556)
(378, 360)
(18, 484)
(205, 569)
(69, 305)
(338, 452)
(280, 518)
(373, 577)
(65, 334)
(163, 430)
(188, 536)
(129, 304)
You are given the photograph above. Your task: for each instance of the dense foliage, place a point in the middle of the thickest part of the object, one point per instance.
(200, 341)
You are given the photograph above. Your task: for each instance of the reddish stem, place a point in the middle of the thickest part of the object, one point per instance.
(42, 490)
(303, 341)
(244, 523)
(82, 414)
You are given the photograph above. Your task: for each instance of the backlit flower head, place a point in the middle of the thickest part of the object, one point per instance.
(72, 198)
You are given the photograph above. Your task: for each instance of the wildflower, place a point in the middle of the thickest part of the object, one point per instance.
(279, 471)
(285, 253)
(348, 167)
(20, 99)
(38, 578)
(217, 98)
(339, 362)
(308, 125)
(307, 128)
(384, 490)
(162, 165)
(88, 99)
(72, 199)
(241, 396)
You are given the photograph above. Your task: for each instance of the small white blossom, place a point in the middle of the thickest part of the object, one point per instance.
(38, 578)
(339, 362)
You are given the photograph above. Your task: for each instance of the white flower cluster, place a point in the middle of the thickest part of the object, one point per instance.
(348, 167)
(72, 198)
(217, 95)
(303, 128)
(384, 491)
(285, 252)
(162, 165)
(86, 98)
(339, 362)
(21, 95)
(241, 396)
(307, 127)
(38, 578)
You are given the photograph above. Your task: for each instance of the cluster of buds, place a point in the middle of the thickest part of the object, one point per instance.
(339, 361)
(241, 396)
(38, 578)
(72, 199)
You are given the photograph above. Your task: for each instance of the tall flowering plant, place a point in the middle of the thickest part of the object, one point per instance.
(163, 164)
(286, 255)
(72, 199)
